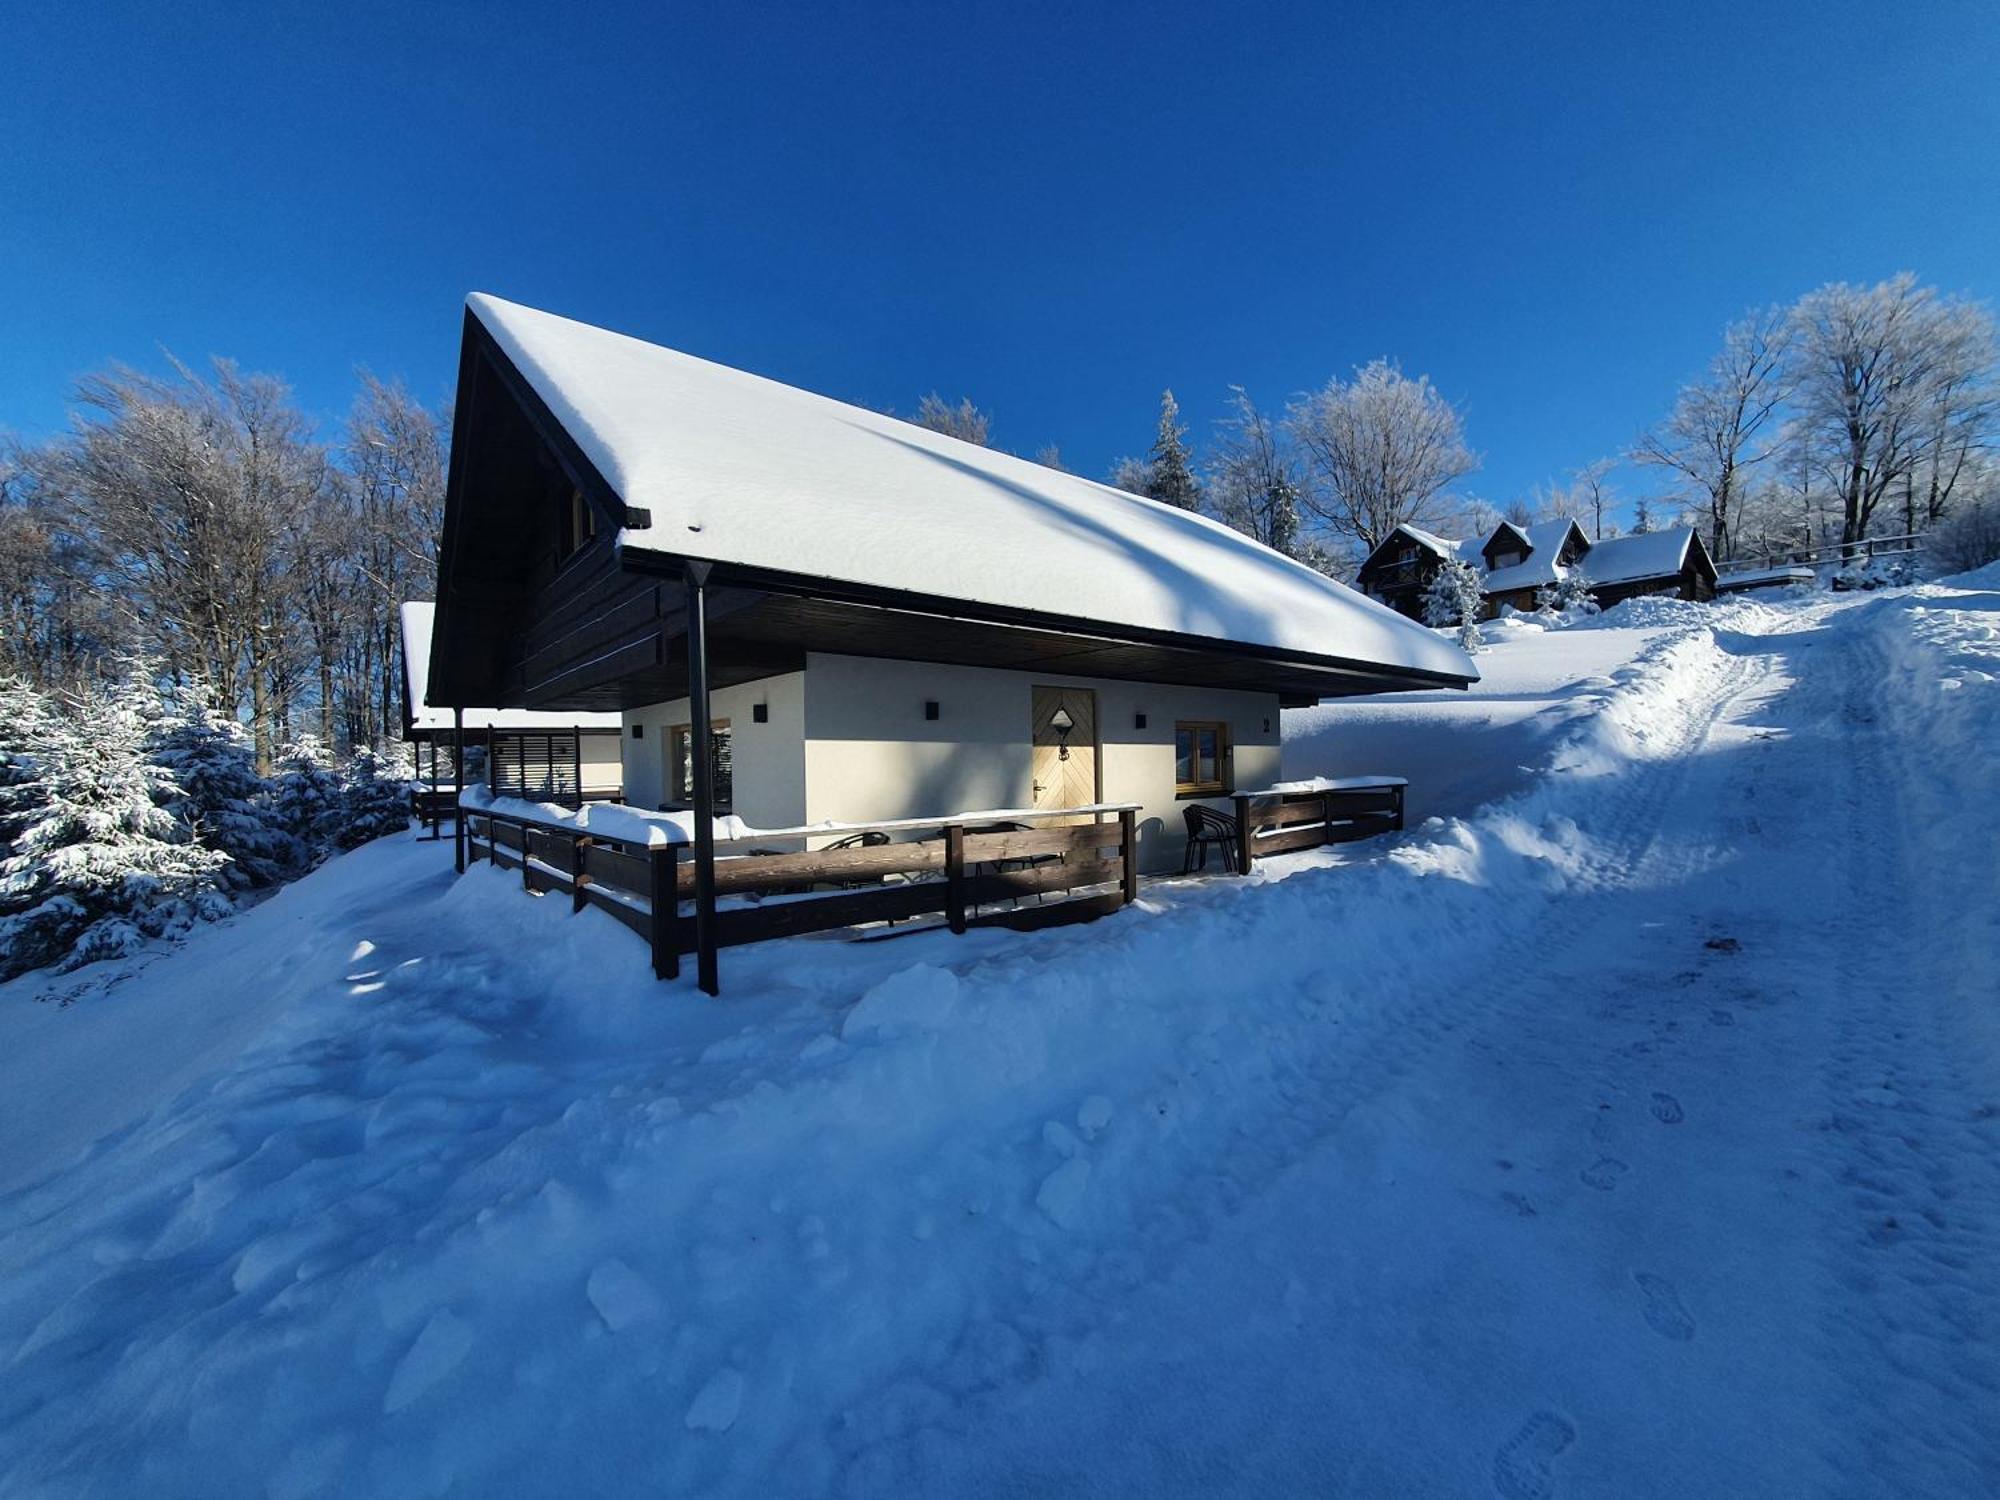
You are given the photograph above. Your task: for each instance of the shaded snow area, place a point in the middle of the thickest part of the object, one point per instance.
(1634, 1130)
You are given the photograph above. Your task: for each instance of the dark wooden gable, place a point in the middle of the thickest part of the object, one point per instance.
(529, 534)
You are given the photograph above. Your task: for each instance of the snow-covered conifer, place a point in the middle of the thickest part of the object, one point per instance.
(1453, 598)
(95, 863)
(1170, 473)
(221, 796)
(375, 797)
(306, 796)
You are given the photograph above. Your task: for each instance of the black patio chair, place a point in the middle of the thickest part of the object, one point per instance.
(1208, 828)
(872, 838)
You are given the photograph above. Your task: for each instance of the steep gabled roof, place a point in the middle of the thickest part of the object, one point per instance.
(720, 465)
(1544, 542)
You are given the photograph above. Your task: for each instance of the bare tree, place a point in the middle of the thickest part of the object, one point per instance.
(189, 489)
(1383, 451)
(1887, 381)
(1720, 425)
(963, 421)
(1254, 477)
(395, 452)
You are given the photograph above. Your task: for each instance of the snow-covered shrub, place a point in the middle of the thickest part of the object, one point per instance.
(95, 862)
(1875, 573)
(1453, 599)
(374, 797)
(220, 795)
(1970, 539)
(1569, 596)
(306, 796)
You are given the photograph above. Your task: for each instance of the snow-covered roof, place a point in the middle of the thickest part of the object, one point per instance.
(417, 616)
(1545, 543)
(737, 469)
(1647, 554)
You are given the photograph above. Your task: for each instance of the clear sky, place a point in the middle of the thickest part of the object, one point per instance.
(1551, 210)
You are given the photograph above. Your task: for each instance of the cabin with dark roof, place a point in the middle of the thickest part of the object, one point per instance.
(807, 614)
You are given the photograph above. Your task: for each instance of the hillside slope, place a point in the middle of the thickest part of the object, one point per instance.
(1637, 1132)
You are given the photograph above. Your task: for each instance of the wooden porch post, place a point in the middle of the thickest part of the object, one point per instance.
(458, 785)
(1245, 837)
(700, 748)
(1128, 847)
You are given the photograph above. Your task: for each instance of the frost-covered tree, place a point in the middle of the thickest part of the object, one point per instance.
(1453, 599)
(306, 795)
(1568, 595)
(1169, 466)
(1254, 477)
(220, 795)
(96, 863)
(1722, 424)
(1383, 449)
(1132, 475)
(963, 421)
(1889, 378)
(374, 797)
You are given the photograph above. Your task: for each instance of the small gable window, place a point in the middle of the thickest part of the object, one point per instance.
(579, 524)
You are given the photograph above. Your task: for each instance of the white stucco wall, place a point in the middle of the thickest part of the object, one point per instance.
(769, 767)
(603, 768)
(871, 754)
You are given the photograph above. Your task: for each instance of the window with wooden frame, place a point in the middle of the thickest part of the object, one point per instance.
(1201, 758)
(680, 765)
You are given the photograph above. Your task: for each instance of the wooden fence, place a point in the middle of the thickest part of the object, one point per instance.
(1090, 868)
(1867, 549)
(1277, 822)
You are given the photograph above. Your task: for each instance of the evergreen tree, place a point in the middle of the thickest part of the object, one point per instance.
(374, 797)
(1642, 516)
(221, 796)
(1453, 598)
(306, 796)
(95, 863)
(1170, 475)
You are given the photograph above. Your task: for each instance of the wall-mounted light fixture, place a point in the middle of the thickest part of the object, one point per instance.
(1062, 724)
(638, 731)
(930, 708)
(760, 713)
(1138, 721)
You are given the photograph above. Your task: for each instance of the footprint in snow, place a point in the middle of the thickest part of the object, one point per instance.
(719, 1404)
(1667, 1109)
(1722, 1018)
(1522, 1469)
(1603, 1174)
(1662, 1307)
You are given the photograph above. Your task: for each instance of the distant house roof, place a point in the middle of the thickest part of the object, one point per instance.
(416, 617)
(1613, 560)
(716, 464)
(1649, 554)
(1544, 542)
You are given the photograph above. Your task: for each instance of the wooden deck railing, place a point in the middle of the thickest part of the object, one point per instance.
(954, 873)
(1277, 822)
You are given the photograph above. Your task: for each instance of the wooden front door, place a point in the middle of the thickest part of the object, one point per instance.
(1065, 779)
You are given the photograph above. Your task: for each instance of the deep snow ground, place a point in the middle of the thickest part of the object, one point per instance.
(1636, 1134)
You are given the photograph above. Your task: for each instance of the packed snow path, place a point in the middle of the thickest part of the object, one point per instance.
(1636, 1135)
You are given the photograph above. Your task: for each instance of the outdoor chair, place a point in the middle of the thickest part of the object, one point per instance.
(1205, 828)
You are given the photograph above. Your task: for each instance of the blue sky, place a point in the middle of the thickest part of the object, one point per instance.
(1054, 210)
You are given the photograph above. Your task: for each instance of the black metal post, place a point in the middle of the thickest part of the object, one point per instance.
(458, 785)
(701, 749)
